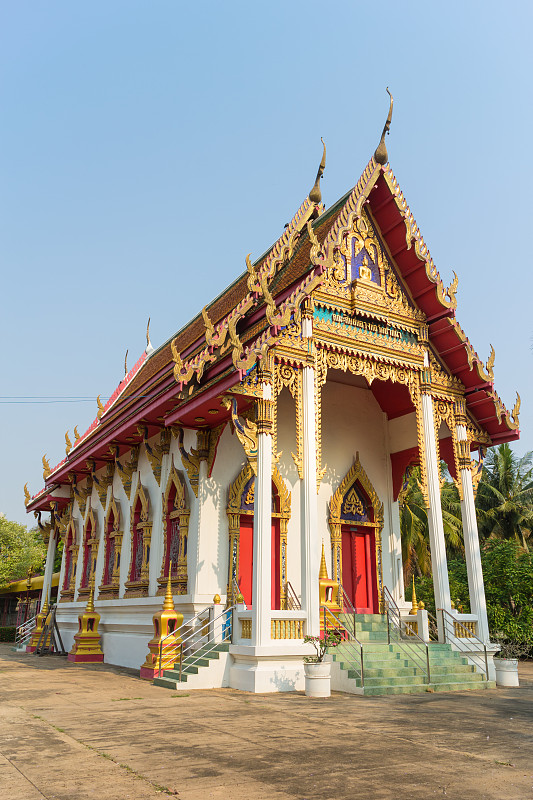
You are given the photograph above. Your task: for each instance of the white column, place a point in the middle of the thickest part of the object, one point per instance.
(436, 528)
(311, 549)
(204, 545)
(476, 586)
(261, 588)
(49, 566)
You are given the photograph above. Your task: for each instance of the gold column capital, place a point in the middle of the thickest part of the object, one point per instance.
(264, 410)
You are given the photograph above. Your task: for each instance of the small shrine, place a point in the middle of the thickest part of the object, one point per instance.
(164, 647)
(87, 642)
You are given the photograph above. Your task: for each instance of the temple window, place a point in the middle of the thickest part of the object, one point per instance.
(90, 552)
(109, 587)
(70, 555)
(176, 515)
(140, 533)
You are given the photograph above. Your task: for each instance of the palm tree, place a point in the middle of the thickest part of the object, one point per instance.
(504, 501)
(414, 527)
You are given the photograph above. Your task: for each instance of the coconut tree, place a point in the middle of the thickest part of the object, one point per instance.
(414, 523)
(505, 496)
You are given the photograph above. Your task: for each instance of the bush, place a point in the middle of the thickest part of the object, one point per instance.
(508, 576)
(7, 634)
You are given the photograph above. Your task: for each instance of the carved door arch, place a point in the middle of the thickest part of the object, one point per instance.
(356, 523)
(240, 511)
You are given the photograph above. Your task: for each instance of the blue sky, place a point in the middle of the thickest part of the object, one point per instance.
(146, 148)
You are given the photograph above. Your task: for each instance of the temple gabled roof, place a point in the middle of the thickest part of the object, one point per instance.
(213, 351)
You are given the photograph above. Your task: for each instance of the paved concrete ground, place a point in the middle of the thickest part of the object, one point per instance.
(71, 732)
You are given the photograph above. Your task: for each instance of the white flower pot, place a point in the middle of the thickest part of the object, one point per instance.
(506, 671)
(318, 679)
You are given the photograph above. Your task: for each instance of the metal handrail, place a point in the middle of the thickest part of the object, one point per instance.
(345, 597)
(293, 604)
(24, 631)
(458, 641)
(343, 630)
(226, 622)
(406, 635)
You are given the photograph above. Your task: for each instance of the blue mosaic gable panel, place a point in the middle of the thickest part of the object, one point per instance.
(354, 506)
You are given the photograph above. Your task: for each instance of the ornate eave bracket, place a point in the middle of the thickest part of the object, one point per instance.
(128, 469)
(246, 432)
(155, 452)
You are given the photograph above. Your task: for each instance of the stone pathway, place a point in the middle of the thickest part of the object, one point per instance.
(71, 732)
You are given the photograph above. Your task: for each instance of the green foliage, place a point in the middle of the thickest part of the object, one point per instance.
(20, 549)
(504, 501)
(7, 634)
(414, 524)
(508, 574)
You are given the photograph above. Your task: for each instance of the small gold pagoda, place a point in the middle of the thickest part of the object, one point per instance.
(87, 642)
(167, 621)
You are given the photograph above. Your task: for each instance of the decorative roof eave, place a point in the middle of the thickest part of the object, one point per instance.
(417, 269)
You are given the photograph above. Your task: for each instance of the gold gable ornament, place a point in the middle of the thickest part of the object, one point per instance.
(167, 623)
(87, 642)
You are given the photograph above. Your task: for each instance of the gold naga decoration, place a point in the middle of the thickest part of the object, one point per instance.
(68, 444)
(149, 345)
(315, 195)
(516, 410)
(209, 327)
(77, 436)
(100, 408)
(126, 363)
(253, 280)
(126, 470)
(27, 495)
(190, 461)
(381, 155)
(156, 452)
(46, 467)
(246, 433)
(489, 367)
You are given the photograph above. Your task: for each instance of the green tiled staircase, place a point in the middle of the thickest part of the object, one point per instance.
(388, 669)
(192, 664)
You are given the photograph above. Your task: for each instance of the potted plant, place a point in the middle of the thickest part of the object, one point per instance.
(317, 671)
(506, 663)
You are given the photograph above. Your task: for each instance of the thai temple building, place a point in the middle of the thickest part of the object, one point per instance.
(254, 463)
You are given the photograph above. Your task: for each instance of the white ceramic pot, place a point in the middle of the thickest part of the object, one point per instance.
(506, 671)
(318, 679)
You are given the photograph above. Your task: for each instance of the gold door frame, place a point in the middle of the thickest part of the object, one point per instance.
(355, 475)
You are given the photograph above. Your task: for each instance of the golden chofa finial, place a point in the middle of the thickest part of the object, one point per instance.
(315, 195)
(149, 346)
(381, 155)
(168, 604)
(46, 467)
(126, 363)
(100, 407)
(27, 495)
(68, 444)
(76, 434)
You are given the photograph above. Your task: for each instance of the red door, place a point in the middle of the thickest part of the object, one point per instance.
(246, 560)
(246, 554)
(359, 568)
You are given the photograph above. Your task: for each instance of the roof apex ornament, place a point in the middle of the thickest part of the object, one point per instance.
(489, 367)
(76, 434)
(149, 346)
(515, 413)
(100, 408)
(126, 363)
(27, 495)
(68, 444)
(315, 195)
(380, 154)
(46, 467)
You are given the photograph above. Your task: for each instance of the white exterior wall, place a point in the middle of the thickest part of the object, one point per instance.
(352, 421)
